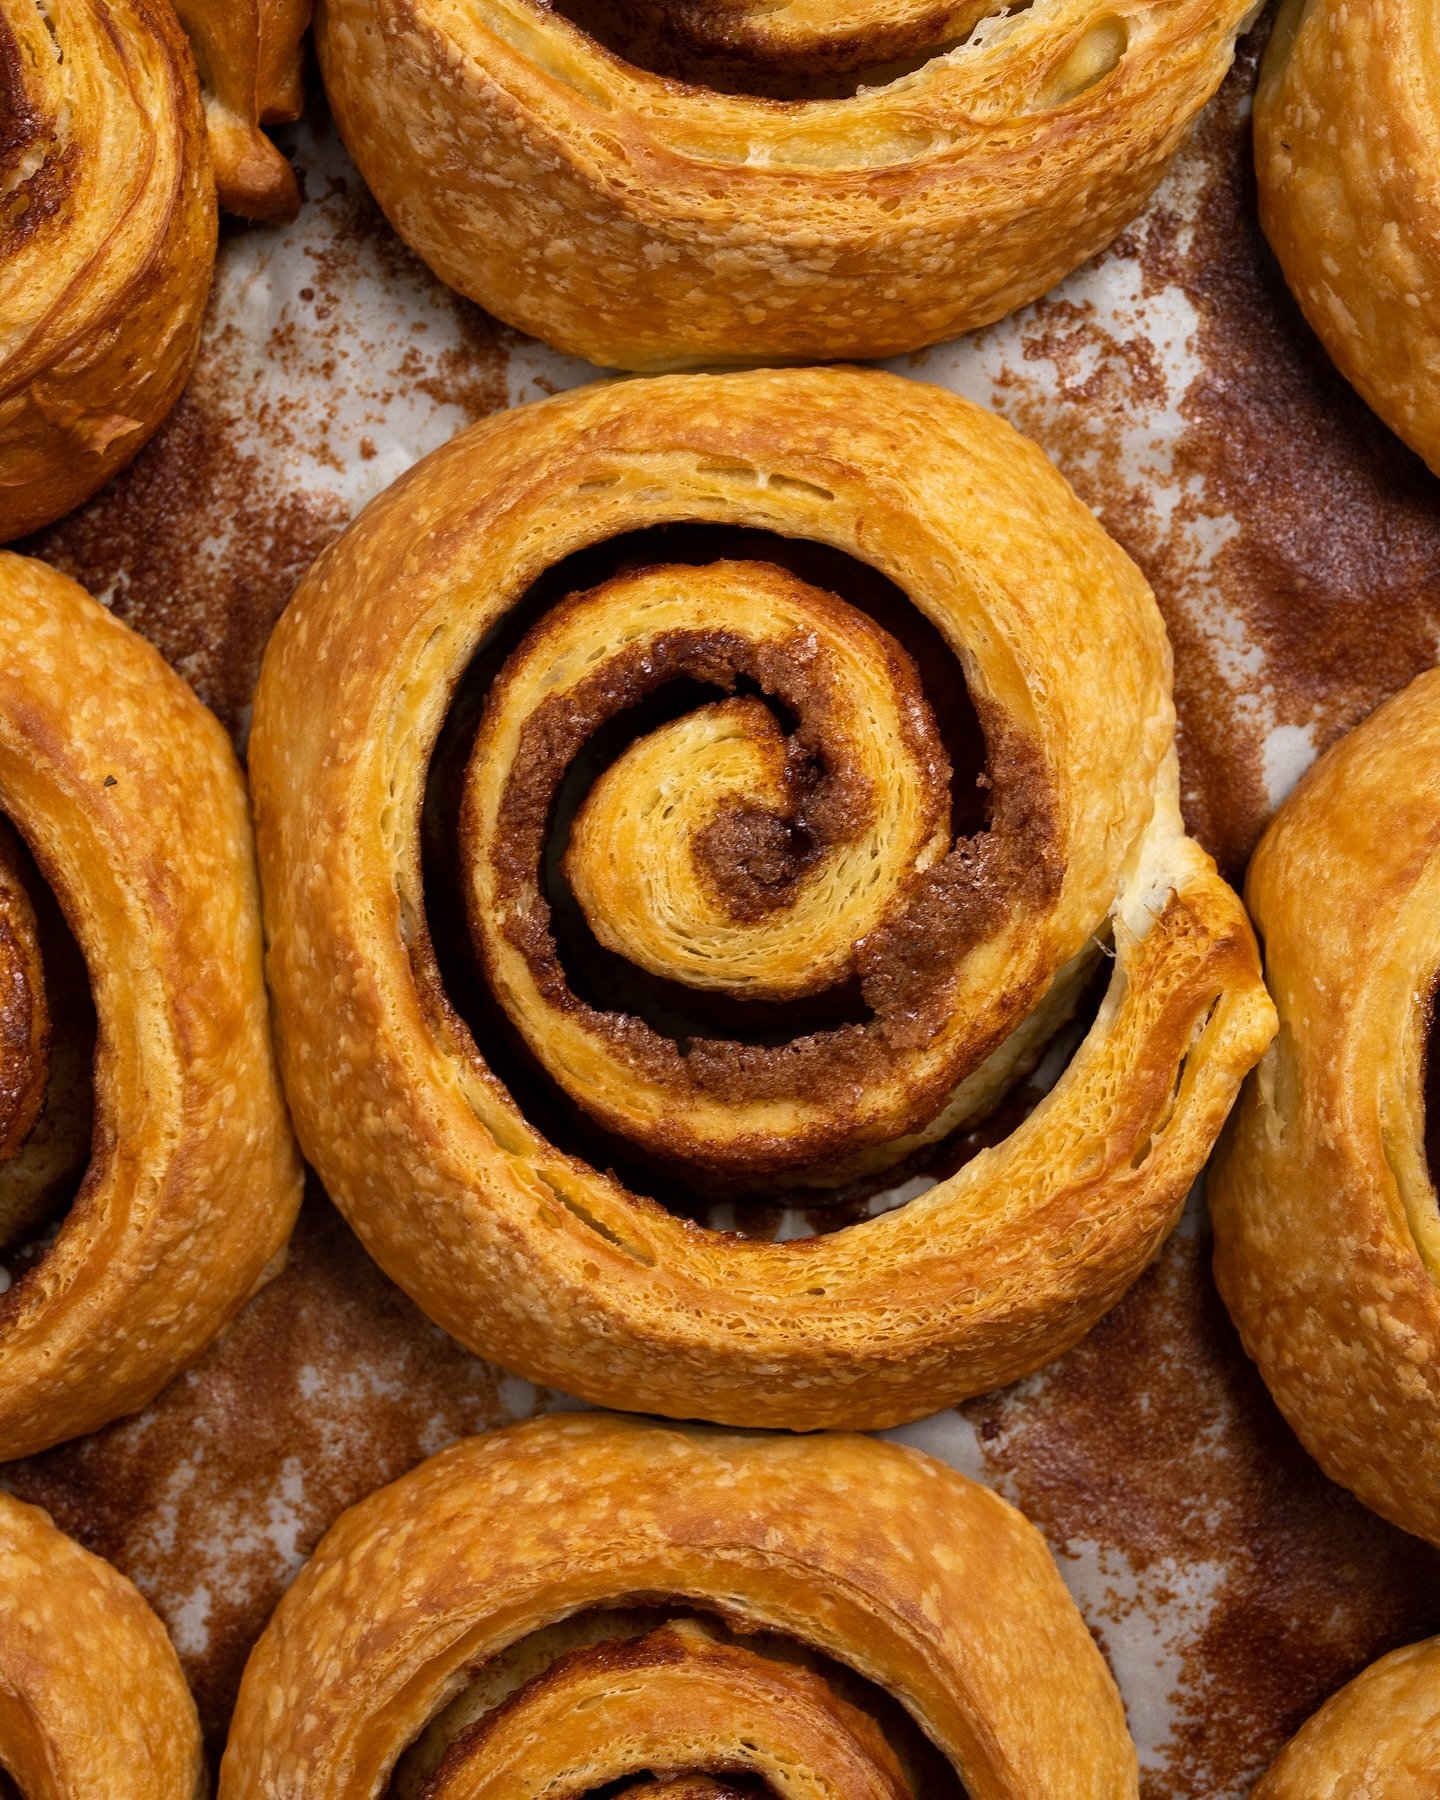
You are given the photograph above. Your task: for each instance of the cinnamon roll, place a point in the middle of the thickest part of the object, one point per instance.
(107, 242)
(129, 862)
(1378, 1739)
(92, 1700)
(1349, 167)
(654, 186)
(588, 1600)
(1327, 1242)
(599, 833)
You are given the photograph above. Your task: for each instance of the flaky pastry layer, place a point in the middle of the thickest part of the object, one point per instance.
(1327, 1237)
(876, 1557)
(92, 1698)
(251, 74)
(650, 222)
(1348, 158)
(126, 790)
(107, 243)
(1377, 1739)
(538, 1258)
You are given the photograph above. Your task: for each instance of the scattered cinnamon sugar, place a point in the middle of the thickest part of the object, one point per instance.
(1155, 1440)
(198, 545)
(201, 541)
(328, 1385)
(1323, 529)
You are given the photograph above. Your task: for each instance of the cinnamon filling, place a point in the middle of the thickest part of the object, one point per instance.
(748, 50)
(751, 855)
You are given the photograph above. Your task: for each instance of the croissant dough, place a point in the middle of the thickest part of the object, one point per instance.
(651, 223)
(250, 64)
(126, 790)
(1378, 1739)
(535, 1257)
(1327, 1242)
(107, 242)
(1349, 166)
(92, 1700)
(966, 1623)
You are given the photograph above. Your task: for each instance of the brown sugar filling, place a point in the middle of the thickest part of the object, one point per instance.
(701, 44)
(1004, 854)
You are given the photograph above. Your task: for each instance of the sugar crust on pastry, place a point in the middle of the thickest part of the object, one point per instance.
(537, 1258)
(92, 1699)
(107, 243)
(1377, 1739)
(127, 793)
(1348, 158)
(1327, 1238)
(440, 1595)
(649, 222)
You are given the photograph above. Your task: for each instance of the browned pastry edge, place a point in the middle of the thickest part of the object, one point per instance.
(1327, 1241)
(532, 1256)
(649, 223)
(92, 1699)
(107, 245)
(249, 55)
(966, 1624)
(1377, 1739)
(128, 795)
(1349, 175)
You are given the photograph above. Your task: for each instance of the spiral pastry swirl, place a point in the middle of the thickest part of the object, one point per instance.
(808, 1637)
(1377, 1739)
(107, 242)
(1349, 174)
(831, 974)
(125, 798)
(654, 186)
(1327, 1242)
(92, 1699)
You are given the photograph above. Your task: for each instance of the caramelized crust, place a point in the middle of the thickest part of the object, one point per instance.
(107, 242)
(541, 1260)
(966, 1624)
(1378, 1739)
(1327, 1235)
(651, 222)
(670, 1701)
(1349, 164)
(127, 793)
(92, 1698)
(248, 53)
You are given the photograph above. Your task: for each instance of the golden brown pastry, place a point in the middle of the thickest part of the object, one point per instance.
(248, 52)
(1378, 1739)
(836, 1617)
(1349, 165)
(789, 942)
(656, 186)
(92, 1700)
(126, 793)
(107, 241)
(1327, 1236)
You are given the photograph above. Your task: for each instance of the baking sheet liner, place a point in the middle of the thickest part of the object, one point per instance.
(1295, 549)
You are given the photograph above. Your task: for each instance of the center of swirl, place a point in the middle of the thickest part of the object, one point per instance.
(786, 838)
